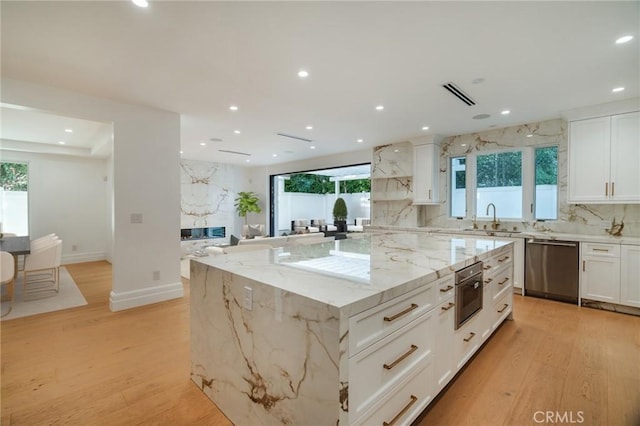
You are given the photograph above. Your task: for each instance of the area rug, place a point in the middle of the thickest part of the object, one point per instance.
(69, 296)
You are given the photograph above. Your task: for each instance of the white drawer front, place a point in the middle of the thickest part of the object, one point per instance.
(467, 340)
(605, 250)
(382, 365)
(372, 325)
(501, 284)
(404, 403)
(502, 308)
(445, 288)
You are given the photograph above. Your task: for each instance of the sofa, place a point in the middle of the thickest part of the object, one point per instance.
(358, 224)
(303, 225)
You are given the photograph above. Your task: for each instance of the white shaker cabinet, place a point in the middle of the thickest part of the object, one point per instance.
(600, 272)
(426, 171)
(630, 276)
(604, 154)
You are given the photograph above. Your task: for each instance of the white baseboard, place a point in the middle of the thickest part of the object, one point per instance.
(146, 296)
(90, 256)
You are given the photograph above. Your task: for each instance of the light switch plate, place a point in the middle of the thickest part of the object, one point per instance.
(248, 298)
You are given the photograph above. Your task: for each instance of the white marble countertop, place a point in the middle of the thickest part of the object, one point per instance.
(360, 272)
(608, 239)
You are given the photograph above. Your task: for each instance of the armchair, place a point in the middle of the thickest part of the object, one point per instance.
(42, 268)
(7, 271)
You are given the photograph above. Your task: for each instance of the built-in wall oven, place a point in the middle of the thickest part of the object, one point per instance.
(468, 293)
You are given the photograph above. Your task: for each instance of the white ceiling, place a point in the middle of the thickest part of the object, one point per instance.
(198, 58)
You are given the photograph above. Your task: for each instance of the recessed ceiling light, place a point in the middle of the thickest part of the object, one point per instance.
(481, 116)
(464, 144)
(529, 135)
(247, 160)
(203, 144)
(624, 39)
(61, 142)
(237, 132)
(312, 147)
(505, 112)
(425, 127)
(181, 152)
(617, 89)
(360, 140)
(233, 107)
(303, 74)
(274, 155)
(380, 107)
(309, 127)
(68, 130)
(396, 150)
(140, 3)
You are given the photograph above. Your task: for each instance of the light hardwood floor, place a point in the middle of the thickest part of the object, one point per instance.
(90, 366)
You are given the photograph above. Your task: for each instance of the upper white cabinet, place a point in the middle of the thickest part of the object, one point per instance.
(604, 154)
(426, 171)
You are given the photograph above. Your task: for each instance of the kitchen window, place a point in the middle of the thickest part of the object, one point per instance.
(521, 183)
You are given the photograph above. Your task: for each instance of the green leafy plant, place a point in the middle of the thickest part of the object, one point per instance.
(247, 202)
(340, 209)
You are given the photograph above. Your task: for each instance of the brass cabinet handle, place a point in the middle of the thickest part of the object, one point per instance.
(503, 281)
(429, 194)
(471, 336)
(602, 250)
(583, 265)
(503, 259)
(449, 306)
(486, 267)
(606, 189)
(399, 314)
(446, 289)
(488, 280)
(401, 413)
(613, 189)
(503, 308)
(402, 357)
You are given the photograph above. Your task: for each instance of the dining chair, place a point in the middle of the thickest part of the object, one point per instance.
(7, 275)
(42, 269)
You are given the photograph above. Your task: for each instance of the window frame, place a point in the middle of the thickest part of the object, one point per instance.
(528, 182)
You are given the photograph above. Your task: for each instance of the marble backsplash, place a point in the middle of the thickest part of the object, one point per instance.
(572, 218)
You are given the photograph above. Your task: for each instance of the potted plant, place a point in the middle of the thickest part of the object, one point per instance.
(247, 202)
(340, 215)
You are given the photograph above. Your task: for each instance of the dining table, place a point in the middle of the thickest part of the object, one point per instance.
(17, 246)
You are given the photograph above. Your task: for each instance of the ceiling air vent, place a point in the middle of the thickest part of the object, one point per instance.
(294, 137)
(234, 152)
(455, 91)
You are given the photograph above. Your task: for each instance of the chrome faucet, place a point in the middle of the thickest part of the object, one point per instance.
(495, 224)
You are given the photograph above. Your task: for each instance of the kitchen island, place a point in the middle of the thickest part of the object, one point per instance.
(356, 331)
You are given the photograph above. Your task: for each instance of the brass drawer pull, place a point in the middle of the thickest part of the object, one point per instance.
(471, 336)
(488, 280)
(399, 314)
(503, 281)
(449, 306)
(401, 413)
(446, 289)
(402, 357)
(503, 308)
(606, 189)
(602, 250)
(486, 267)
(503, 259)
(613, 189)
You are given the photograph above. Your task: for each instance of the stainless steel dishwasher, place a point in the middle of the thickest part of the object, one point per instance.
(552, 269)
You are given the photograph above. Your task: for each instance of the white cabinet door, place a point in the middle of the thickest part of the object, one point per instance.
(426, 166)
(443, 361)
(589, 150)
(630, 276)
(600, 273)
(625, 157)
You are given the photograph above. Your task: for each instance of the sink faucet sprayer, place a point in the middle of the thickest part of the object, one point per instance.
(495, 224)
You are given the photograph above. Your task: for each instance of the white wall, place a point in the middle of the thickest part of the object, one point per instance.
(68, 196)
(146, 181)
